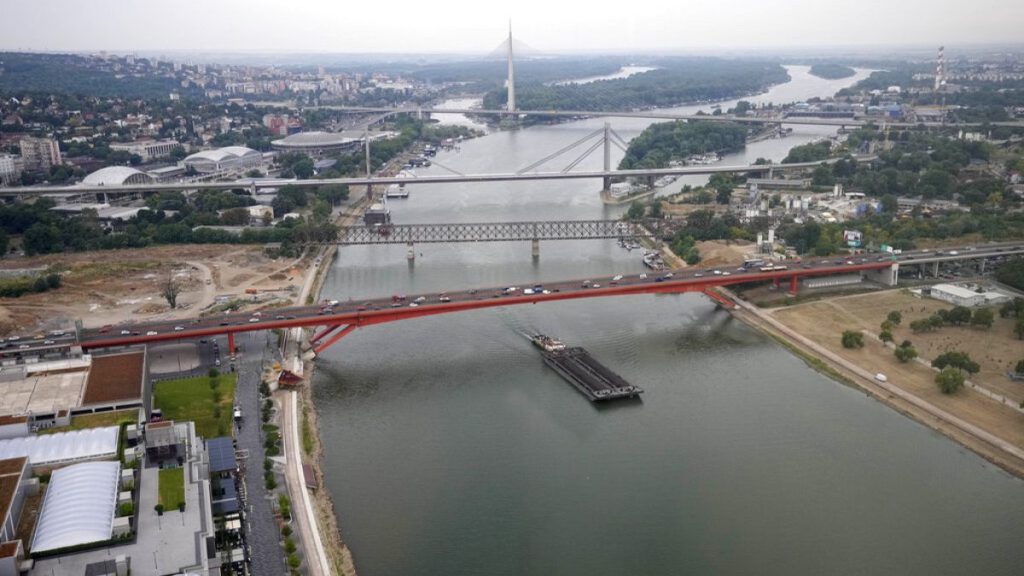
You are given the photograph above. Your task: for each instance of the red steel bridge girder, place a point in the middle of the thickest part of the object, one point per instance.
(334, 339)
(719, 298)
(384, 315)
(318, 336)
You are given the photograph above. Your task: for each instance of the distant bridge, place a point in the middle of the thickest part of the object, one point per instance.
(661, 115)
(491, 232)
(383, 180)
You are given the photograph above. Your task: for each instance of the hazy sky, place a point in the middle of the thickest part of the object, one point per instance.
(478, 26)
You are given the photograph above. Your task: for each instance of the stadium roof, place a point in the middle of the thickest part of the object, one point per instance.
(115, 175)
(78, 507)
(313, 140)
(221, 154)
(62, 446)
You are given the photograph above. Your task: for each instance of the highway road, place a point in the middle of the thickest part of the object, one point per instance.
(395, 307)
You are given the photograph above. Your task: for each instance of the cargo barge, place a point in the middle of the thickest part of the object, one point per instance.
(577, 367)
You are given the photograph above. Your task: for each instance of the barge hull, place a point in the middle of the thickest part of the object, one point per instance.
(591, 378)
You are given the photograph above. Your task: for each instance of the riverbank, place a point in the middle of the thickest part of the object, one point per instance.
(1000, 452)
(325, 551)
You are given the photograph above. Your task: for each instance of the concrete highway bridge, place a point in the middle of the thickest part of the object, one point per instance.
(254, 186)
(341, 318)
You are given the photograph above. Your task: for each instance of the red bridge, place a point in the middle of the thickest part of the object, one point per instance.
(344, 317)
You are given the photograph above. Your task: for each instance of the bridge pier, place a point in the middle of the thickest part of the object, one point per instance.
(410, 255)
(607, 181)
(775, 283)
(935, 270)
(794, 285)
(885, 276)
(535, 248)
(231, 343)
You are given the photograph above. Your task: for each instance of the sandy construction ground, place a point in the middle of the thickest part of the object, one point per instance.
(824, 322)
(110, 287)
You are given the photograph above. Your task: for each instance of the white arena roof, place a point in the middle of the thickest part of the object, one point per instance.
(313, 140)
(222, 154)
(79, 506)
(62, 446)
(115, 175)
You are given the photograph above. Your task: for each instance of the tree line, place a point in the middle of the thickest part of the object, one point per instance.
(660, 143)
(676, 82)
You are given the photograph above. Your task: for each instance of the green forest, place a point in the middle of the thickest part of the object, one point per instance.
(71, 74)
(832, 71)
(675, 82)
(660, 143)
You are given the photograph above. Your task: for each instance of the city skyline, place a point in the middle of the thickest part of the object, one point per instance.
(465, 27)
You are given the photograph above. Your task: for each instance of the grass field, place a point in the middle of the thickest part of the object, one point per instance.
(824, 321)
(172, 488)
(100, 420)
(193, 399)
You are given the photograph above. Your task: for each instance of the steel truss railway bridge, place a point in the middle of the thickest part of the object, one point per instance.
(491, 232)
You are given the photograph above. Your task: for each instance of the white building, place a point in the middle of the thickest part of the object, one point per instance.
(10, 169)
(147, 149)
(957, 295)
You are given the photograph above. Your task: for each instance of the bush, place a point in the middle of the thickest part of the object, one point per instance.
(885, 336)
(853, 339)
(159, 509)
(895, 317)
(285, 506)
(905, 353)
(126, 509)
(294, 561)
(949, 380)
(286, 530)
(289, 546)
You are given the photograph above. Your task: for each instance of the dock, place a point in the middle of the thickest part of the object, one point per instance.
(593, 379)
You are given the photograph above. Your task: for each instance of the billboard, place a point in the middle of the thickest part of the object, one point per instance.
(853, 238)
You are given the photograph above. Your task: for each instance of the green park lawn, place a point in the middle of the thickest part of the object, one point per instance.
(172, 488)
(192, 399)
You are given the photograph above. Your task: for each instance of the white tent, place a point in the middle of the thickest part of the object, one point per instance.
(79, 506)
(62, 446)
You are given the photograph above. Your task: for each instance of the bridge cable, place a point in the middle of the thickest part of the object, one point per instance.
(560, 152)
(590, 150)
(438, 164)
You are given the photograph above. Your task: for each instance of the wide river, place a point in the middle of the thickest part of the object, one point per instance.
(450, 448)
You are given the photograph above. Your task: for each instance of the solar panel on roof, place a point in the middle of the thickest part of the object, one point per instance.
(222, 454)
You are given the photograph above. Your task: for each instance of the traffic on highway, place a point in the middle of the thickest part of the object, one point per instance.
(402, 306)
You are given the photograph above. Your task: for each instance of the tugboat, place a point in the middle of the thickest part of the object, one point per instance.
(547, 343)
